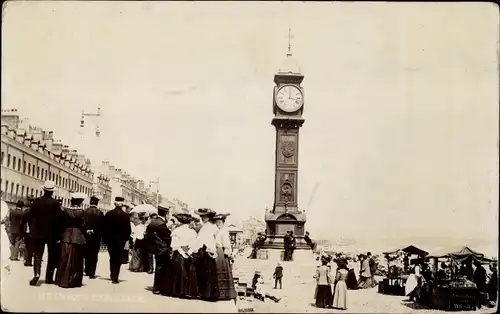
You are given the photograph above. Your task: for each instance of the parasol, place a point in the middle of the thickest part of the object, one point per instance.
(144, 208)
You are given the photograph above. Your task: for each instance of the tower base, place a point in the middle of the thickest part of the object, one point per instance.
(277, 242)
(276, 255)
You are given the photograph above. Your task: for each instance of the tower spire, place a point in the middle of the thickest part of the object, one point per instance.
(290, 36)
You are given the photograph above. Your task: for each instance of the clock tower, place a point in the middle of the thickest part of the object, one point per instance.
(288, 106)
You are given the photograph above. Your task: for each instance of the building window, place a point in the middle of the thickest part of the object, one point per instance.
(14, 162)
(17, 189)
(32, 191)
(24, 166)
(2, 157)
(22, 190)
(7, 186)
(8, 160)
(29, 169)
(45, 172)
(38, 172)
(11, 187)
(19, 165)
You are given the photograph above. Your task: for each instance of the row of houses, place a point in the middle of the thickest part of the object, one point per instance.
(31, 155)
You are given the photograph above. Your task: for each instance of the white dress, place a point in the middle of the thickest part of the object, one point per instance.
(412, 281)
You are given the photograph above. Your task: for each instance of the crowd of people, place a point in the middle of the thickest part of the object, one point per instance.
(331, 289)
(191, 257)
(423, 277)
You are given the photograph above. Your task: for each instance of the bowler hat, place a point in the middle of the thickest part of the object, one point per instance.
(94, 198)
(20, 204)
(119, 199)
(49, 185)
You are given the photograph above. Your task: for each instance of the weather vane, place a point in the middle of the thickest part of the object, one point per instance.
(290, 36)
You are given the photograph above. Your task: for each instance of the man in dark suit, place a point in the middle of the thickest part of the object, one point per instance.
(116, 231)
(28, 241)
(158, 239)
(93, 224)
(16, 230)
(44, 221)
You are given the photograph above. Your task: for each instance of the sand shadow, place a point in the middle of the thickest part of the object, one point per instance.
(40, 282)
(414, 305)
(109, 279)
(149, 288)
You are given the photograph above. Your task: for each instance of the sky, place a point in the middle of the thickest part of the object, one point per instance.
(401, 104)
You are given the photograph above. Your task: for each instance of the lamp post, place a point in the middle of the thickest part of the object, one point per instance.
(157, 182)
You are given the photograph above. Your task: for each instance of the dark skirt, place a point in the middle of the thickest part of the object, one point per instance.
(324, 297)
(70, 268)
(137, 261)
(206, 272)
(351, 282)
(182, 277)
(125, 257)
(161, 276)
(225, 281)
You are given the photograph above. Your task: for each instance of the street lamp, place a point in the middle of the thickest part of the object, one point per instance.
(91, 114)
(157, 182)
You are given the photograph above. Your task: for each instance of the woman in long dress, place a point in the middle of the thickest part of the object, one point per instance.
(412, 283)
(351, 282)
(340, 293)
(137, 262)
(206, 253)
(323, 293)
(224, 259)
(182, 271)
(71, 262)
(365, 276)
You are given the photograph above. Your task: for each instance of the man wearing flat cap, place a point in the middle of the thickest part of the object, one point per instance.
(116, 232)
(44, 221)
(93, 225)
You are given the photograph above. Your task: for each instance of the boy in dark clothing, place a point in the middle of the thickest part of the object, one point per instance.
(278, 274)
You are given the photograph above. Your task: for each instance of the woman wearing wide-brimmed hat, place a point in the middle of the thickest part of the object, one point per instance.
(182, 271)
(71, 261)
(205, 255)
(223, 261)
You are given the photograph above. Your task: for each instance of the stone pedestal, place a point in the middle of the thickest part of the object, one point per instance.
(276, 255)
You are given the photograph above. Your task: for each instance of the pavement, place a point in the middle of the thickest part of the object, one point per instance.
(131, 295)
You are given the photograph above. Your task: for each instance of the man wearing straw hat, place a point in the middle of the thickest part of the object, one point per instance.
(44, 219)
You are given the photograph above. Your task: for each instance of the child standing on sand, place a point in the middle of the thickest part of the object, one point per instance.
(278, 274)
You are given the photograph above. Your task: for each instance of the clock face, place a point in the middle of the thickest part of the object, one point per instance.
(289, 98)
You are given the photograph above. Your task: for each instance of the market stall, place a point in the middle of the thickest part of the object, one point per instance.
(398, 262)
(456, 292)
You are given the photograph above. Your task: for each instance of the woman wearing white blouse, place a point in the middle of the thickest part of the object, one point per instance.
(138, 262)
(205, 253)
(223, 261)
(182, 271)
